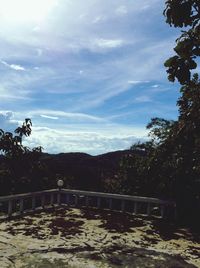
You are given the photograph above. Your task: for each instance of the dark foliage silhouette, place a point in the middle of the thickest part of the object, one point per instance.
(170, 165)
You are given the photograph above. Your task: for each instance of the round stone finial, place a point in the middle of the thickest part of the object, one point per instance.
(60, 183)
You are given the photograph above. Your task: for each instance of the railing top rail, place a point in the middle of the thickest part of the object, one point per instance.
(26, 195)
(89, 193)
(118, 196)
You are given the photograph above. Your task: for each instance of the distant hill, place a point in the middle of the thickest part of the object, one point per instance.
(82, 170)
(78, 170)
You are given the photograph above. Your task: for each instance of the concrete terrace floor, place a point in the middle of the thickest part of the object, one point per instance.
(71, 237)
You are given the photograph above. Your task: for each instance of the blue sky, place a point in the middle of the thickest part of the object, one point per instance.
(88, 73)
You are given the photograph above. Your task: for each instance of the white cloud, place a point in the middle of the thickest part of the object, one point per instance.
(108, 43)
(145, 7)
(36, 29)
(6, 115)
(7, 123)
(93, 142)
(24, 11)
(15, 67)
(121, 10)
(39, 51)
(93, 139)
(99, 19)
(10, 92)
(143, 98)
(55, 114)
(135, 82)
(49, 117)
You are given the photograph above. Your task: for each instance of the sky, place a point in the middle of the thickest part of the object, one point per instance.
(89, 73)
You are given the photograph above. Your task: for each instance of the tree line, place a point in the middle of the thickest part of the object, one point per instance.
(170, 167)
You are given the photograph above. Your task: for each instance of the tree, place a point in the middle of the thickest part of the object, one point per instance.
(11, 145)
(184, 14)
(19, 164)
(171, 164)
(180, 151)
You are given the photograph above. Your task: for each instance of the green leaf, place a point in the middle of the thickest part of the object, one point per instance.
(192, 64)
(171, 61)
(171, 77)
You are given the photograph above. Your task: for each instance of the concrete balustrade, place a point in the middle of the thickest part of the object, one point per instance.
(13, 205)
(46, 199)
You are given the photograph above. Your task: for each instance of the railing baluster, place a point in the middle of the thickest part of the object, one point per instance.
(76, 200)
(135, 207)
(122, 205)
(110, 203)
(21, 206)
(162, 211)
(87, 201)
(175, 213)
(148, 209)
(67, 199)
(10, 206)
(58, 198)
(33, 202)
(52, 199)
(98, 202)
(43, 201)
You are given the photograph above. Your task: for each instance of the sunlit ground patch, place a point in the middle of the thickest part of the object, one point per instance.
(71, 237)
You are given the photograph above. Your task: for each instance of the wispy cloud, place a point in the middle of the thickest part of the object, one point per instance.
(143, 99)
(55, 114)
(135, 82)
(121, 10)
(108, 43)
(7, 123)
(49, 117)
(15, 67)
(99, 18)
